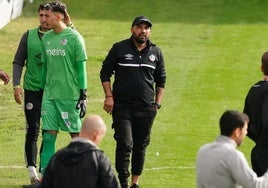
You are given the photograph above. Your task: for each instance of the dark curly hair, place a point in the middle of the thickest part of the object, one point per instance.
(56, 6)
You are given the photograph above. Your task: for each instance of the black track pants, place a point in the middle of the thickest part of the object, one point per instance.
(32, 109)
(132, 134)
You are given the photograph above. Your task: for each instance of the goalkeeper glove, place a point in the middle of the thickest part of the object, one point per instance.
(81, 104)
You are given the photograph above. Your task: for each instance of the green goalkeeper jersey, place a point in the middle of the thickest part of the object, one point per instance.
(64, 57)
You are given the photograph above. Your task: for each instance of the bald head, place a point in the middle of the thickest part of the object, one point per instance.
(93, 128)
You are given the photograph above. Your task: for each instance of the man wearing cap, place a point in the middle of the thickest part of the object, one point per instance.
(136, 95)
(256, 107)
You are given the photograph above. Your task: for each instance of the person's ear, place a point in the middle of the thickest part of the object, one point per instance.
(59, 16)
(95, 136)
(237, 132)
(261, 68)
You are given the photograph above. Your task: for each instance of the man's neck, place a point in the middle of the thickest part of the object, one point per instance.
(139, 46)
(60, 27)
(265, 78)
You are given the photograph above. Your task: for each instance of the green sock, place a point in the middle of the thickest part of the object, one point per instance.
(49, 148)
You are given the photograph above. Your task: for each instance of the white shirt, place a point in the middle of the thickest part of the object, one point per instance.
(220, 165)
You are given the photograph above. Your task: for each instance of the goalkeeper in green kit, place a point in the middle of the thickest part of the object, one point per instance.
(64, 80)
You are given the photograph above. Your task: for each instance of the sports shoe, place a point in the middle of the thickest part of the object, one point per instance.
(32, 186)
(35, 183)
(35, 180)
(135, 186)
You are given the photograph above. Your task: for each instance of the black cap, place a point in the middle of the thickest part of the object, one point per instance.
(138, 20)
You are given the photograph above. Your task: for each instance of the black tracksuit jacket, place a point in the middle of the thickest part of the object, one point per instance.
(135, 73)
(79, 165)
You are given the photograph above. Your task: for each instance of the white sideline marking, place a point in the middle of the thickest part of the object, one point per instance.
(12, 167)
(146, 169)
(167, 168)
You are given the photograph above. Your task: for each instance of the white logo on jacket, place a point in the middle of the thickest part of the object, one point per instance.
(129, 57)
(152, 58)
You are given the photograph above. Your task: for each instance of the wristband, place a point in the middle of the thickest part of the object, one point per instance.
(108, 96)
(16, 86)
(158, 106)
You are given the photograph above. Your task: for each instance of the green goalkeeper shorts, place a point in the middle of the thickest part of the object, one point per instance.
(60, 115)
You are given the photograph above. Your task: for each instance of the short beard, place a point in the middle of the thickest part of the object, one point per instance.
(140, 41)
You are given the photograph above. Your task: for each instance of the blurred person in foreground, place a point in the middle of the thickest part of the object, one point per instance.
(4, 77)
(219, 164)
(82, 164)
(64, 80)
(138, 88)
(28, 56)
(256, 107)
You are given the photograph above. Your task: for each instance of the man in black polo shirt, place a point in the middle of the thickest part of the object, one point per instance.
(256, 107)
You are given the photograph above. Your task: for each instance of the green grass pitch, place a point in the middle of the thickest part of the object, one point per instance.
(212, 52)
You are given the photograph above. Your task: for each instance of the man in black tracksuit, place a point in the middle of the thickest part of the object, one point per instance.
(82, 164)
(256, 107)
(136, 95)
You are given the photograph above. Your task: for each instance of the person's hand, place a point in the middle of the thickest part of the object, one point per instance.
(18, 94)
(108, 104)
(4, 76)
(82, 102)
